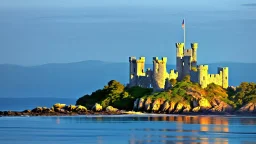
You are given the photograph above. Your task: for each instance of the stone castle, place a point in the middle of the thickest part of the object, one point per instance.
(186, 64)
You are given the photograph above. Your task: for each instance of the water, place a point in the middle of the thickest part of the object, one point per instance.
(20, 104)
(128, 129)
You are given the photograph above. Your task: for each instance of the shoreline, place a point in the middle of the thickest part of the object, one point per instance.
(28, 113)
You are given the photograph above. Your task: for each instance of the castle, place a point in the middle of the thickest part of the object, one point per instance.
(186, 64)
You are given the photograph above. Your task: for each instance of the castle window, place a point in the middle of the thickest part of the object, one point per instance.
(142, 71)
(183, 63)
(226, 78)
(204, 78)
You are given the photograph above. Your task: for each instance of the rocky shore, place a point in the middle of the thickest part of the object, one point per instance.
(141, 106)
(199, 105)
(67, 110)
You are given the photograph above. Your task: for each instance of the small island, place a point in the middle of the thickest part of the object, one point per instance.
(187, 90)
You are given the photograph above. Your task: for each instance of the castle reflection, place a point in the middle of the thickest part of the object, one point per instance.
(166, 129)
(203, 124)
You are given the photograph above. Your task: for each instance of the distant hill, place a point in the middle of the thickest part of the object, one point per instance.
(72, 80)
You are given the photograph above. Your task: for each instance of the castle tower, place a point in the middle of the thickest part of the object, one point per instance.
(224, 71)
(159, 73)
(186, 66)
(179, 61)
(203, 75)
(194, 47)
(136, 70)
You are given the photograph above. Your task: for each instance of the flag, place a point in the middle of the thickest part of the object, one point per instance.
(183, 24)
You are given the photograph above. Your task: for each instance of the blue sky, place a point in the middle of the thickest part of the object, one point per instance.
(60, 31)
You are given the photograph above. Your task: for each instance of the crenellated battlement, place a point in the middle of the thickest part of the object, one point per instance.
(194, 45)
(132, 59)
(202, 67)
(141, 60)
(163, 60)
(179, 45)
(188, 52)
(186, 64)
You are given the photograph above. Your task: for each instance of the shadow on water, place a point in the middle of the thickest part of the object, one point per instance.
(169, 129)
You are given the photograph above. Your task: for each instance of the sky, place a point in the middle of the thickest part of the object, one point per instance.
(35, 32)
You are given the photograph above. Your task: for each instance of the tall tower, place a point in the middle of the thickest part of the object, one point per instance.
(132, 71)
(203, 75)
(179, 61)
(224, 76)
(159, 73)
(136, 70)
(194, 47)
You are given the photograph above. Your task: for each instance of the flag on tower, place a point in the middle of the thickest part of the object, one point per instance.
(183, 24)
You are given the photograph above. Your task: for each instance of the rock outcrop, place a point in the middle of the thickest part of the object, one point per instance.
(97, 107)
(147, 105)
(135, 104)
(140, 104)
(196, 105)
(165, 106)
(204, 103)
(248, 108)
(111, 109)
(81, 108)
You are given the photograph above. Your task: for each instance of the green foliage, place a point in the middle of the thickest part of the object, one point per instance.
(244, 93)
(114, 94)
(138, 92)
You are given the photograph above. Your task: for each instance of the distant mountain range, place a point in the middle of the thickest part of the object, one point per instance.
(72, 80)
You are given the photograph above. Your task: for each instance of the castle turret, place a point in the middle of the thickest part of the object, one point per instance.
(186, 66)
(203, 75)
(179, 49)
(224, 71)
(194, 47)
(136, 69)
(179, 61)
(159, 73)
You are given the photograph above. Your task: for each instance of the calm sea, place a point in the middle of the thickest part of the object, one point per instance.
(20, 104)
(123, 129)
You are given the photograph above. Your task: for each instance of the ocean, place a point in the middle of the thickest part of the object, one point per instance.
(128, 129)
(120, 129)
(20, 104)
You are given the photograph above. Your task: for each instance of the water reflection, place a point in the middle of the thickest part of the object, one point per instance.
(164, 129)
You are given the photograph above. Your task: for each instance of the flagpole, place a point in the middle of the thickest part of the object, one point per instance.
(184, 34)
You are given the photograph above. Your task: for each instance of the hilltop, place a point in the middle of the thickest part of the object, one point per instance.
(183, 97)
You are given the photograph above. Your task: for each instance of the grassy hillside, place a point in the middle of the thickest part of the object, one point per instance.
(117, 95)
